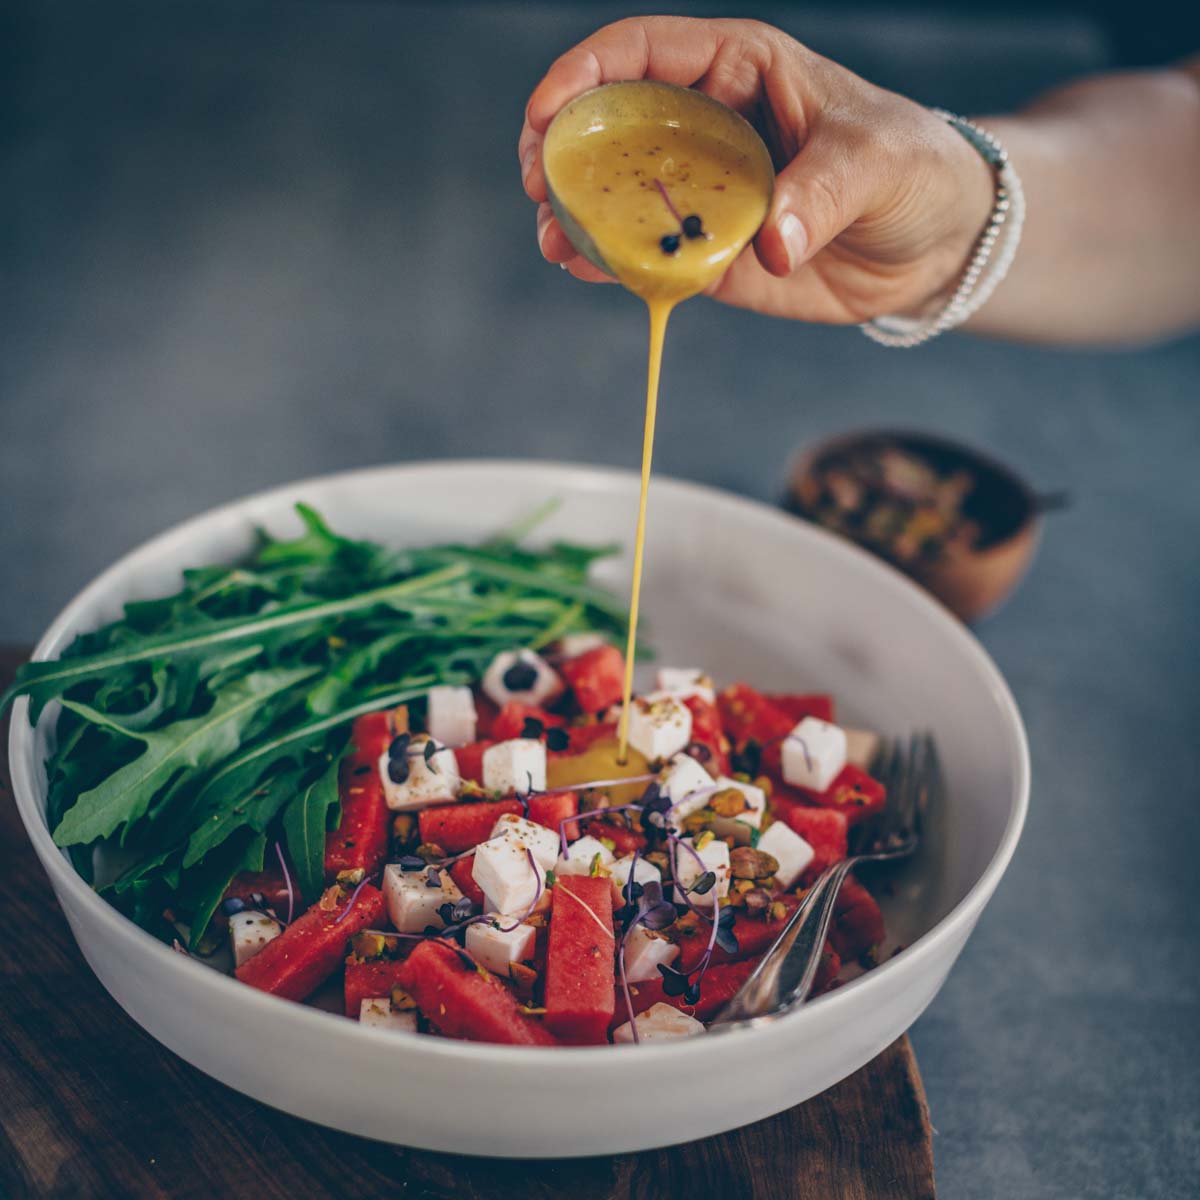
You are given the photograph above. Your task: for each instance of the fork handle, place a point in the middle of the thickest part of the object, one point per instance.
(785, 976)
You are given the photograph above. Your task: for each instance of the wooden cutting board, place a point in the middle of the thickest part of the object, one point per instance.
(91, 1106)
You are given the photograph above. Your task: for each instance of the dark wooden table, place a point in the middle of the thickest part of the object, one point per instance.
(91, 1106)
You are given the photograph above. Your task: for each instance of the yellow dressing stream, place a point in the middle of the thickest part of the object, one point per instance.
(633, 169)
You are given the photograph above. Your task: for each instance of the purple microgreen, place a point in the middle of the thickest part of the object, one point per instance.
(704, 884)
(433, 876)
(699, 751)
(287, 880)
(350, 903)
(562, 825)
(397, 770)
(537, 895)
(411, 862)
(662, 191)
(454, 912)
(795, 737)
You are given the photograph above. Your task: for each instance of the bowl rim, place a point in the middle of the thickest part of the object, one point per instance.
(563, 474)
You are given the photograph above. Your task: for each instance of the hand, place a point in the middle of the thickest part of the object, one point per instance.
(878, 203)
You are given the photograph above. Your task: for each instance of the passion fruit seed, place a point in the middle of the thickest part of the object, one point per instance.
(669, 243)
(693, 227)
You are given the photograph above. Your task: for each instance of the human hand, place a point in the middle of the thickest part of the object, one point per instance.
(878, 202)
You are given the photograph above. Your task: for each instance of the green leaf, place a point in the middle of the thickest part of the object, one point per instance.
(43, 681)
(196, 743)
(304, 822)
(203, 889)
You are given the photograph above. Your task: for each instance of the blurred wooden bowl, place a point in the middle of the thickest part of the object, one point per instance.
(973, 580)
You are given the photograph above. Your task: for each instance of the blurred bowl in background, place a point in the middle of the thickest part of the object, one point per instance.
(959, 523)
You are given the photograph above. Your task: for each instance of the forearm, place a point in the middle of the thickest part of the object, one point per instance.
(1111, 246)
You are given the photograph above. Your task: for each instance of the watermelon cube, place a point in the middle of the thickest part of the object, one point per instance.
(465, 1001)
(459, 827)
(579, 960)
(597, 678)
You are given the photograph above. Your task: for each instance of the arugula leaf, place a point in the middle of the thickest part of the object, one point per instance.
(304, 822)
(202, 889)
(43, 681)
(197, 742)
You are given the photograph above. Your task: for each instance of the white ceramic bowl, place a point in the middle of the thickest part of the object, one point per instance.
(732, 585)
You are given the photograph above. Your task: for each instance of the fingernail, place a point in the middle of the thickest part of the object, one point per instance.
(543, 223)
(527, 160)
(795, 240)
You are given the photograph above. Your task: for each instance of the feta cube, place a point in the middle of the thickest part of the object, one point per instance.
(755, 797)
(572, 645)
(643, 873)
(450, 715)
(495, 946)
(249, 932)
(660, 726)
(814, 754)
(789, 850)
(380, 1014)
(518, 765)
(685, 682)
(862, 745)
(644, 952)
(659, 1023)
(713, 856)
(580, 855)
(413, 901)
(413, 782)
(502, 871)
(521, 675)
(542, 842)
(687, 785)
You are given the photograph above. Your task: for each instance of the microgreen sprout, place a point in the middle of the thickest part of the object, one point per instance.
(537, 895)
(362, 883)
(287, 880)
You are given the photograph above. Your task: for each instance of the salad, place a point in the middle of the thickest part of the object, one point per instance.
(396, 775)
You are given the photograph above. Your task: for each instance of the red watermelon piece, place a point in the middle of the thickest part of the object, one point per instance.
(579, 960)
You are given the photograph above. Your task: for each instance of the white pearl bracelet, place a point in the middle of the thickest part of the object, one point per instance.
(984, 272)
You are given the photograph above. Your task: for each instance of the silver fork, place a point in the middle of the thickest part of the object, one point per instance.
(784, 977)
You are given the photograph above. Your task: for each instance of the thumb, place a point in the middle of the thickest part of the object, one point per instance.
(817, 195)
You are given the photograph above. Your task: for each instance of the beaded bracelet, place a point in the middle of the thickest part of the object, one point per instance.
(978, 281)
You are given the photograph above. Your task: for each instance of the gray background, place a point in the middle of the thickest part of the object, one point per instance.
(243, 243)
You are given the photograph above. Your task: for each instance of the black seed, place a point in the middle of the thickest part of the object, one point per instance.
(520, 677)
(557, 739)
(693, 227)
(669, 243)
(399, 746)
(533, 728)
(398, 770)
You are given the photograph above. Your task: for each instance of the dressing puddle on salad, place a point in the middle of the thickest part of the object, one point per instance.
(662, 188)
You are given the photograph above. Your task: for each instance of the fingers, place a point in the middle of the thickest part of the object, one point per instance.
(823, 190)
(556, 248)
(678, 50)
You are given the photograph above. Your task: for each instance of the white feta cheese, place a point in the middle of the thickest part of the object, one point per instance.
(713, 856)
(644, 952)
(495, 946)
(412, 902)
(789, 850)
(249, 932)
(580, 855)
(572, 645)
(862, 745)
(450, 715)
(518, 765)
(521, 675)
(687, 785)
(659, 1023)
(685, 682)
(643, 873)
(502, 871)
(380, 1014)
(660, 726)
(413, 782)
(756, 800)
(814, 753)
(542, 843)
